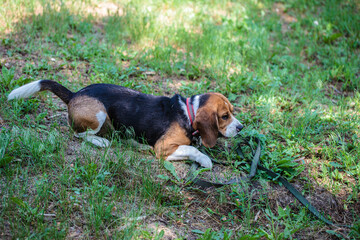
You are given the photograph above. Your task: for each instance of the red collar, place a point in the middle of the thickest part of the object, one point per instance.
(190, 111)
(191, 114)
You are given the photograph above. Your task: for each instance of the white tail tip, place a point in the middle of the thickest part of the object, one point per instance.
(25, 91)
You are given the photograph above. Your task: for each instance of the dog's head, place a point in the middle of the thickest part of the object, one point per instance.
(215, 116)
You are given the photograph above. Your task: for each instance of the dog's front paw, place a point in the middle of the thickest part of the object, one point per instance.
(205, 161)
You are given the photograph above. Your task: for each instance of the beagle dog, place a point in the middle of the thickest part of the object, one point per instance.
(167, 124)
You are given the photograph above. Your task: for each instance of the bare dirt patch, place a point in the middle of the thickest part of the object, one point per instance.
(286, 19)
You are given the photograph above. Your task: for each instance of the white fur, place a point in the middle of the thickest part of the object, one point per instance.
(90, 136)
(188, 152)
(184, 108)
(25, 91)
(231, 130)
(96, 140)
(195, 104)
(101, 117)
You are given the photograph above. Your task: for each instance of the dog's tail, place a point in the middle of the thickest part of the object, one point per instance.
(41, 85)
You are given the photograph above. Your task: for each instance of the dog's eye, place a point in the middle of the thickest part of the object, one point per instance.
(225, 117)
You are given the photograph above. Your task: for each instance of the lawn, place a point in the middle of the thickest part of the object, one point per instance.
(290, 68)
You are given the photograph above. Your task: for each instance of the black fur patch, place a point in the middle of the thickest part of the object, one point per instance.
(148, 115)
(59, 90)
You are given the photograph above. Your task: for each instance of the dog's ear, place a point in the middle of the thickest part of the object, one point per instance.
(206, 123)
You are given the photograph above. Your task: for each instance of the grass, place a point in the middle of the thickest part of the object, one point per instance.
(291, 69)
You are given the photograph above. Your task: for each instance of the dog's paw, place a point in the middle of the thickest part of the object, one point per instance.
(205, 161)
(99, 141)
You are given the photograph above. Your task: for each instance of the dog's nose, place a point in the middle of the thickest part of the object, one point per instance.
(239, 128)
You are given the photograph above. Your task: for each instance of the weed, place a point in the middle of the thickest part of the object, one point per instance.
(210, 234)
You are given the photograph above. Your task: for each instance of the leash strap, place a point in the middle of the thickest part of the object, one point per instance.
(254, 166)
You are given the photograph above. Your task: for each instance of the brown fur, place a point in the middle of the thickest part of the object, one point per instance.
(209, 120)
(172, 139)
(82, 114)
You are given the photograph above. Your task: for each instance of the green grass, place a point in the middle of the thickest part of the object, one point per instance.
(291, 69)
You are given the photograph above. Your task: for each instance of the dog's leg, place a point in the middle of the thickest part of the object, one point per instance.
(174, 145)
(89, 135)
(191, 153)
(88, 117)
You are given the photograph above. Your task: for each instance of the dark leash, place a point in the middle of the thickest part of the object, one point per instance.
(192, 177)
